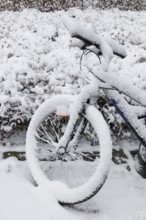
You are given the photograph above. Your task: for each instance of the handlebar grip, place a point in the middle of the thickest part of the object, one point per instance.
(89, 37)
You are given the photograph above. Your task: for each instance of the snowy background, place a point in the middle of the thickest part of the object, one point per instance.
(36, 62)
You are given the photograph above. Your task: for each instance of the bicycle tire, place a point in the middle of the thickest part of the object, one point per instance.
(67, 194)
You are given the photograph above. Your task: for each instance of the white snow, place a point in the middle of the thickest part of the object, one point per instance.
(26, 47)
(77, 29)
(21, 200)
(122, 197)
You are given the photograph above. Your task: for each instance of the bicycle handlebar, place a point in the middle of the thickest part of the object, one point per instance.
(88, 37)
(118, 50)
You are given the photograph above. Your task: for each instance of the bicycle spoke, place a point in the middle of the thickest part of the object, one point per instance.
(45, 132)
(86, 156)
(54, 130)
(41, 138)
(44, 164)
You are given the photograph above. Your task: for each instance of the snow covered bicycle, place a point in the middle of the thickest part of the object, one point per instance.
(58, 143)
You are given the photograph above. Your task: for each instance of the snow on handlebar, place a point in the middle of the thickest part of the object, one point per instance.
(107, 48)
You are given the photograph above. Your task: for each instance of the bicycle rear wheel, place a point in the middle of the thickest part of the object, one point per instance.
(78, 174)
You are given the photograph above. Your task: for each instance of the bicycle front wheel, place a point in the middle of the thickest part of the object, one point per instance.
(79, 173)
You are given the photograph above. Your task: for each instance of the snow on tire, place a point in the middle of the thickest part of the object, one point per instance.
(77, 175)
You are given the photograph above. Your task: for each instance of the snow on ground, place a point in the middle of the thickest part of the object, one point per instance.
(122, 197)
(19, 199)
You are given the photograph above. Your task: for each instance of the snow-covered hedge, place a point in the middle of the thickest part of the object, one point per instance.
(51, 5)
(36, 61)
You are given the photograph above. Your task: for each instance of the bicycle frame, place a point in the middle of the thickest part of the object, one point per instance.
(90, 92)
(129, 114)
(127, 121)
(134, 123)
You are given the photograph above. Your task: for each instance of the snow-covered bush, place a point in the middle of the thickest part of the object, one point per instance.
(36, 61)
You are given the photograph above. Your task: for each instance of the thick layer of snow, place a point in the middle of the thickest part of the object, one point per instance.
(80, 31)
(21, 200)
(122, 197)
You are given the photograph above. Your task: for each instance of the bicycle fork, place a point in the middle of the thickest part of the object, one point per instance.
(73, 132)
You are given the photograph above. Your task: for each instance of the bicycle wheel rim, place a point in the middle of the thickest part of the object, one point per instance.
(61, 191)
